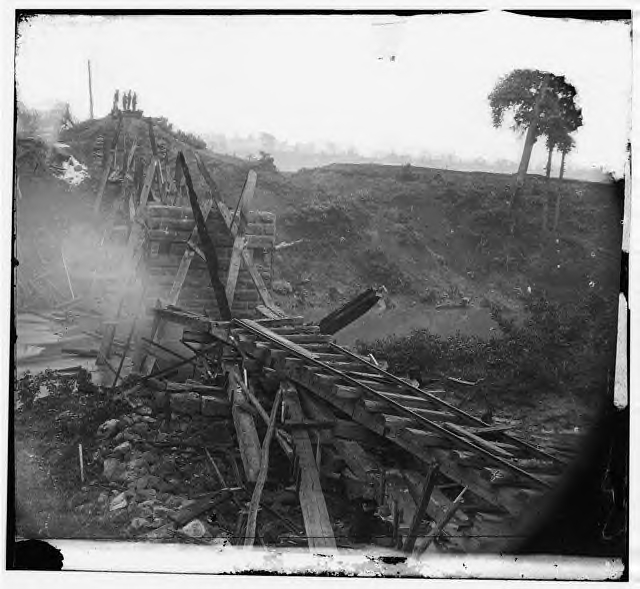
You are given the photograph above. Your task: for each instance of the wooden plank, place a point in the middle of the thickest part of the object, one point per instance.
(478, 440)
(234, 266)
(207, 245)
(445, 520)
(281, 339)
(246, 433)
(421, 511)
(358, 460)
(247, 256)
(314, 509)
(187, 257)
(265, 295)
(250, 534)
(146, 187)
(244, 202)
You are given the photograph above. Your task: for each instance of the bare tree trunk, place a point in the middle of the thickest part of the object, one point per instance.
(548, 169)
(528, 148)
(547, 192)
(564, 153)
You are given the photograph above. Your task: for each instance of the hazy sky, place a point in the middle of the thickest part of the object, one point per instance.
(328, 78)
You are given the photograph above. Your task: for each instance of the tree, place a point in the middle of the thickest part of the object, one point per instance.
(565, 144)
(539, 102)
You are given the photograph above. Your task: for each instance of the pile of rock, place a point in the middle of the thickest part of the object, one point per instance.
(155, 465)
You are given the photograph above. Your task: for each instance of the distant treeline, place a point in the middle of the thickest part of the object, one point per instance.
(294, 156)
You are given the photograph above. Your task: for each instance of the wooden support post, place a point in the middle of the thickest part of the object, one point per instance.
(314, 509)
(237, 228)
(239, 244)
(421, 508)
(397, 541)
(252, 517)
(107, 169)
(445, 520)
(207, 245)
(247, 256)
(248, 441)
(107, 341)
(146, 187)
(185, 263)
(265, 417)
(139, 353)
(124, 353)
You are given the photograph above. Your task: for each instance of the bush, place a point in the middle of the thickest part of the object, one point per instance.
(407, 174)
(559, 350)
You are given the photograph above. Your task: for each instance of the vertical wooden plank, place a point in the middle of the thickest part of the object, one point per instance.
(421, 508)
(239, 244)
(146, 187)
(242, 208)
(252, 516)
(314, 508)
(185, 263)
(246, 433)
(207, 245)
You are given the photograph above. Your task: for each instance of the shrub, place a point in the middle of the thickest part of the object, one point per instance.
(558, 350)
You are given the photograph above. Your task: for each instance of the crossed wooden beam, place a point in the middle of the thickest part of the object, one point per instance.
(200, 243)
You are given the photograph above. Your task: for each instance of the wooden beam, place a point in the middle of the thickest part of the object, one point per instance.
(314, 509)
(250, 534)
(240, 241)
(265, 417)
(445, 520)
(239, 244)
(248, 441)
(207, 245)
(146, 187)
(239, 220)
(279, 338)
(247, 256)
(187, 257)
(421, 509)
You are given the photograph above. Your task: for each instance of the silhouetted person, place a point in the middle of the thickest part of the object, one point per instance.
(116, 98)
(124, 101)
(134, 102)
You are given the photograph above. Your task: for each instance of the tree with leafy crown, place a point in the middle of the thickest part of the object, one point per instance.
(540, 103)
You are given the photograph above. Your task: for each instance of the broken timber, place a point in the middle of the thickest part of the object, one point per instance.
(314, 509)
(245, 426)
(247, 258)
(206, 243)
(348, 313)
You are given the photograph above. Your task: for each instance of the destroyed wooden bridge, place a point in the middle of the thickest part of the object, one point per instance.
(473, 484)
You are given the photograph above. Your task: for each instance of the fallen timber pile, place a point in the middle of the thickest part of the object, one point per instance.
(422, 472)
(346, 403)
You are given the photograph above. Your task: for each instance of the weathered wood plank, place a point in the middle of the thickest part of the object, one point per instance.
(252, 516)
(314, 509)
(207, 245)
(279, 338)
(421, 510)
(234, 266)
(248, 441)
(478, 440)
